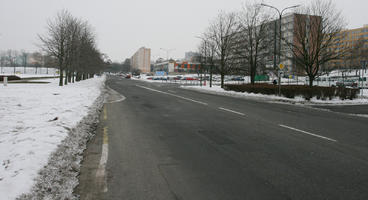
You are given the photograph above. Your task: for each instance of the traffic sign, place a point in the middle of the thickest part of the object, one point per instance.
(160, 73)
(281, 66)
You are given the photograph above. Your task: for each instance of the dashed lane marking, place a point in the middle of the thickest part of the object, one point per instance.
(232, 111)
(174, 95)
(308, 133)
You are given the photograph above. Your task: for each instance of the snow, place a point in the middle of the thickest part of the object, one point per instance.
(219, 91)
(34, 120)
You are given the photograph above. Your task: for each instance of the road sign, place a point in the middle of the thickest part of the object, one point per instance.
(160, 73)
(281, 66)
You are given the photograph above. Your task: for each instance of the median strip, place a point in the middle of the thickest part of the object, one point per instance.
(308, 133)
(174, 95)
(232, 111)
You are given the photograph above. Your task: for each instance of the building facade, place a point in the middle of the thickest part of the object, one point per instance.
(356, 41)
(291, 25)
(141, 60)
(177, 67)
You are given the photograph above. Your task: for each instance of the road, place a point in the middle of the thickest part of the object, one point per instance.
(165, 142)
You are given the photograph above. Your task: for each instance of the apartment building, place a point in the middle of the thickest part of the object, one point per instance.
(142, 60)
(355, 41)
(290, 25)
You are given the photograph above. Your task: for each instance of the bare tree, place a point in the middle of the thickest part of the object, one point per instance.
(316, 30)
(24, 57)
(72, 42)
(37, 60)
(222, 34)
(253, 39)
(55, 41)
(11, 57)
(3, 59)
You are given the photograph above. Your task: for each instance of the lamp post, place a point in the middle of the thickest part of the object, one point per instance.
(279, 50)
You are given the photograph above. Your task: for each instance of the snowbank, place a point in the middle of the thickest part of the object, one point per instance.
(35, 120)
(219, 91)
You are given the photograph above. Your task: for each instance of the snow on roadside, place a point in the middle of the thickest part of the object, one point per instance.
(34, 120)
(219, 91)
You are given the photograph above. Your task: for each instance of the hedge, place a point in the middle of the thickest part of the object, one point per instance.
(10, 77)
(291, 91)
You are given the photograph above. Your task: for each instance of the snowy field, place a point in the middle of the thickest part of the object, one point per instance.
(218, 90)
(34, 120)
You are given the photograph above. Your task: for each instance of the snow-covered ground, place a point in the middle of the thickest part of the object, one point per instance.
(34, 120)
(218, 90)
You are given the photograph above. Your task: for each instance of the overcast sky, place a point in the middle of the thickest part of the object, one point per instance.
(123, 26)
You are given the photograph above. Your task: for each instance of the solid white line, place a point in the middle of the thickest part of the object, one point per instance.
(232, 111)
(181, 97)
(101, 171)
(308, 133)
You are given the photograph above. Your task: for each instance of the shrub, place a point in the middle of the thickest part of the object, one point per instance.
(290, 91)
(10, 77)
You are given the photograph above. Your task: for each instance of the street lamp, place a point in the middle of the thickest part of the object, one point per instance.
(279, 55)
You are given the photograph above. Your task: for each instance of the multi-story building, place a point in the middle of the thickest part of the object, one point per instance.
(142, 60)
(354, 43)
(191, 56)
(290, 26)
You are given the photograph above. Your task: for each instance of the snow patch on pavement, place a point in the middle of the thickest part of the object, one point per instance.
(44, 129)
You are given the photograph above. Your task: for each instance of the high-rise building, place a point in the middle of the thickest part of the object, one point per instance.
(142, 60)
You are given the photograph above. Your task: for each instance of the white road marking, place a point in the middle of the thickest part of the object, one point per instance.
(114, 96)
(308, 133)
(101, 171)
(171, 91)
(232, 111)
(174, 95)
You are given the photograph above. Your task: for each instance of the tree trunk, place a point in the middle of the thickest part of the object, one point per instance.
(66, 77)
(210, 76)
(69, 76)
(222, 79)
(61, 76)
(311, 79)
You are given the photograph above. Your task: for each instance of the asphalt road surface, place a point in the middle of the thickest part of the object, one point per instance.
(164, 142)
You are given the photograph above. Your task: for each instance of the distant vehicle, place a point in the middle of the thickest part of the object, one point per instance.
(128, 76)
(190, 78)
(159, 78)
(347, 83)
(177, 77)
(239, 78)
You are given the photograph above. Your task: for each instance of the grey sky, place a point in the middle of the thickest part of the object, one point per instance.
(122, 26)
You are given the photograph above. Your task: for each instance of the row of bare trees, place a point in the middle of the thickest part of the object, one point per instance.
(240, 42)
(72, 43)
(22, 58)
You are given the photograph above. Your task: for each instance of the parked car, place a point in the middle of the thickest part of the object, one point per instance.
(177, 77)
(190, 78)
(347, 83)
(239, 78)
